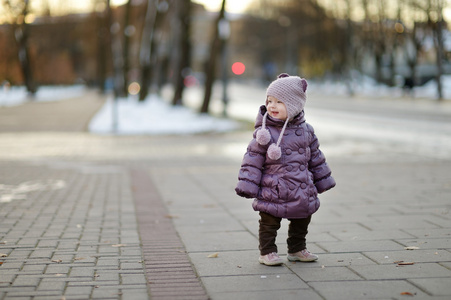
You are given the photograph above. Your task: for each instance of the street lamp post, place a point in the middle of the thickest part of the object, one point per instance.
(224, 34)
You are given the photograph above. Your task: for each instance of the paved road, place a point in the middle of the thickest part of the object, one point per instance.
(135, 217)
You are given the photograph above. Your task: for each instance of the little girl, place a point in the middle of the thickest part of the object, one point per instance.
(284, 170)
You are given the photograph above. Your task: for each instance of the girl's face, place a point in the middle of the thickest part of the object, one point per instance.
(276, 108)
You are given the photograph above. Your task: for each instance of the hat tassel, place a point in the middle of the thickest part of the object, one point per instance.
(263, 136)
(274, 151)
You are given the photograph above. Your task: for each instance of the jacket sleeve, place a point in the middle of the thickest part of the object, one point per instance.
(322, 175)
(250, 173)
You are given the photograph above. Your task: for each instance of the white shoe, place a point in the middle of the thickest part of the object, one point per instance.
(303, 255)
(271, 259)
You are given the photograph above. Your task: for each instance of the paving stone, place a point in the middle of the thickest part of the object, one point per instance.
(253, 283)
(416, 256)
(49, 284)
(360, 246)
(215, 241)
(322, 273)
(294, 294)
(11, 265)
(6, 279)
(47, 243)
(103, 261)
(20, 253)
(30, 268)
(138, 294)
(108, 250)
(384, 289)
(133, 278)
(131, 265)
(87, 248)
(441, 233)
(83, 259)
(57, 269)
(82, 272)
(130, 252)
(62, 256)
(108, 293)
(434, 286)
(419, 270)
(81, 291)
(376, 234)
(338, 260)
(427, 243)
(42, 253)
(28, 241)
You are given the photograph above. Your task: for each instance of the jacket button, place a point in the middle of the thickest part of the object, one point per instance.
(299, 132)
(292, 187)
(302, 167)
(289, 168)
(303, 185)
(288, 151)
(301, 151)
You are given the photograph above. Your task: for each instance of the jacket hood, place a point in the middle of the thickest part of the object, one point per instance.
(270, 121)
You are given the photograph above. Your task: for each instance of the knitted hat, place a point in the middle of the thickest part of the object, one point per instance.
(291, 91)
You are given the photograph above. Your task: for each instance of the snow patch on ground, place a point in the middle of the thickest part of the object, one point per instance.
(154, 116)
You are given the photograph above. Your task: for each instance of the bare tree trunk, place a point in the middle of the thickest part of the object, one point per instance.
(349, 50)
(438, 41)
(21, 32)
(184, 50)
(211, 66)
(125, 50)
(116, 48)
(104, 50)
(413, 61)
(434, 12)
(147, 48)
(24, 58)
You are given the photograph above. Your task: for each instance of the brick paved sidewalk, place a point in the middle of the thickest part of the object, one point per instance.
(90, 217)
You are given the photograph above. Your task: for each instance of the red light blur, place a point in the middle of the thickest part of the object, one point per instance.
(238, 68)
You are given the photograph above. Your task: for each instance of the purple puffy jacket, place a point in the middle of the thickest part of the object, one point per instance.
(287, 187)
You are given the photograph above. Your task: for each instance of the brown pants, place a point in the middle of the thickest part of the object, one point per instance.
(297, 230)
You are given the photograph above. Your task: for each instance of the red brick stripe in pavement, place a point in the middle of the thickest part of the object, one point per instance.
(169, 272)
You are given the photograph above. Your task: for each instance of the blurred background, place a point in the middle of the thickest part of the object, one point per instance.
(138, 46)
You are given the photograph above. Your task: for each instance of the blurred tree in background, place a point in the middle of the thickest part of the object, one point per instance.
(210, 72)
(104, 54)
(182, 50)
(18, 12)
